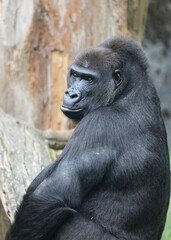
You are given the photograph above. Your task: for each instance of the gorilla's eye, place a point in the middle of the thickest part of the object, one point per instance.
(89, 79)
(117, 77)
(75, 75)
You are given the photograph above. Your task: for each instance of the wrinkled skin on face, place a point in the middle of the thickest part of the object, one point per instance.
(91, 83)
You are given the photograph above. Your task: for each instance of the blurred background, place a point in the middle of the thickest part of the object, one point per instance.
(38, 41)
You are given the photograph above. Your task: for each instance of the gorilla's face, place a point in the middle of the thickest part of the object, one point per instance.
(92, 80)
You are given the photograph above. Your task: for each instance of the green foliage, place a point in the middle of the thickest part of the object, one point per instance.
(52, 154)
(167, 230)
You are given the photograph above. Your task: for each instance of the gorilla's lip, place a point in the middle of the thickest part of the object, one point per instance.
(64, 108)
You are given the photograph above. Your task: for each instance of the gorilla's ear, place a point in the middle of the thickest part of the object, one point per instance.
(117, 77)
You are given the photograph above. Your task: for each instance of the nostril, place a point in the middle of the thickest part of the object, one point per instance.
(73, 95)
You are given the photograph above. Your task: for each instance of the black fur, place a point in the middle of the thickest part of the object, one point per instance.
(112, 179)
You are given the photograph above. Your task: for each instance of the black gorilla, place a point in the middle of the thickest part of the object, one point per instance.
(112, 179)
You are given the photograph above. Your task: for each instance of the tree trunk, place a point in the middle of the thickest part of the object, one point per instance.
(40, 38)
(23, 154)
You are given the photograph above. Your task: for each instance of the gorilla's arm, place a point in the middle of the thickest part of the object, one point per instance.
(48, 204)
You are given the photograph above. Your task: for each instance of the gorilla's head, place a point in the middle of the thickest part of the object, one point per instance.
(101, 75)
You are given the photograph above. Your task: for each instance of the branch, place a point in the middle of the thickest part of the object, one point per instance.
(55, 139)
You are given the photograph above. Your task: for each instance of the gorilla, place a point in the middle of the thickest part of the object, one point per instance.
(112, 179)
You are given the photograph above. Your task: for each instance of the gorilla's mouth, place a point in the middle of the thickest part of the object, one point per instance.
(73, 113)
(67, 109)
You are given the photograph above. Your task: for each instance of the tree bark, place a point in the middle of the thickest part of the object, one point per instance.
(23, 154)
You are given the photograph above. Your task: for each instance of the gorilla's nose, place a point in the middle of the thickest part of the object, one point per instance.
(71, 96)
